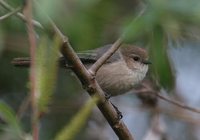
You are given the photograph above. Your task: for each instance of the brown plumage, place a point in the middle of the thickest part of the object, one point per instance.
(126, 68)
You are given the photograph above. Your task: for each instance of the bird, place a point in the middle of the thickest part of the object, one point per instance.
(126, 68)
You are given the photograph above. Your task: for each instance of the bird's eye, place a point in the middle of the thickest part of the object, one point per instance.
(136, 58)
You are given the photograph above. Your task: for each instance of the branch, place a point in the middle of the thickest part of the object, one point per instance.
(95, 67)
(147, 88)
(182, 105)
(23, 106)
(10, 14)
(20, 15)
(32, 39)
(175, 113)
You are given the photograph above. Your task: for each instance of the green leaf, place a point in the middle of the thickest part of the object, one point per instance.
(161, 67)
(71, 130)
(46, 67)
(183, 12)
(13, 125)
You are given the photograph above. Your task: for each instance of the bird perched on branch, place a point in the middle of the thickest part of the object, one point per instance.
(122, 71)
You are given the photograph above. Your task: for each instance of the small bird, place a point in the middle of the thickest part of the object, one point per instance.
(126, 68)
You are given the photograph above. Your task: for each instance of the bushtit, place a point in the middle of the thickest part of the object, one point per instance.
(126, 68)
(121, 72)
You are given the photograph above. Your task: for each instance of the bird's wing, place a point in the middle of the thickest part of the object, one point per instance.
(91, 56)
(87, 57)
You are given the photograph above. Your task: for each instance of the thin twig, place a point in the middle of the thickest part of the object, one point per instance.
(176, 113)
(10, 14)
(182, 105)
(180, 115)
(24, 106)
(32, 40)
(94, 68)
(179, 104)
(20, 15)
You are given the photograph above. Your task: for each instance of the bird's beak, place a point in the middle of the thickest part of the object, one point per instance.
(147, 62)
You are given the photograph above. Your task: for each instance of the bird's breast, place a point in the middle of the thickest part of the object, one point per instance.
(116, 78)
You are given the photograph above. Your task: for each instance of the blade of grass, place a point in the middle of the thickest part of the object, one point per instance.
(71, 130)
(8, 115)
(162, 68)
(46, 65)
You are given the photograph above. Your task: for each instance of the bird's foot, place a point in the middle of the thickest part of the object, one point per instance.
(107, 96)
(119, 113)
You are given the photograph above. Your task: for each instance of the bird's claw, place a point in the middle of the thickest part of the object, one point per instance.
(107, 96)
(119, 114)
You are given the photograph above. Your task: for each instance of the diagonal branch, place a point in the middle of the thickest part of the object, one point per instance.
(10, 14)
(148, 89)
(20, 15)
(95, 67)
(179, 104)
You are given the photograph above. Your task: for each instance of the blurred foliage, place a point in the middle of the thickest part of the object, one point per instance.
(78, 121)
(158, 52)
(12, 128)
(46, 71)
(88, 24)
